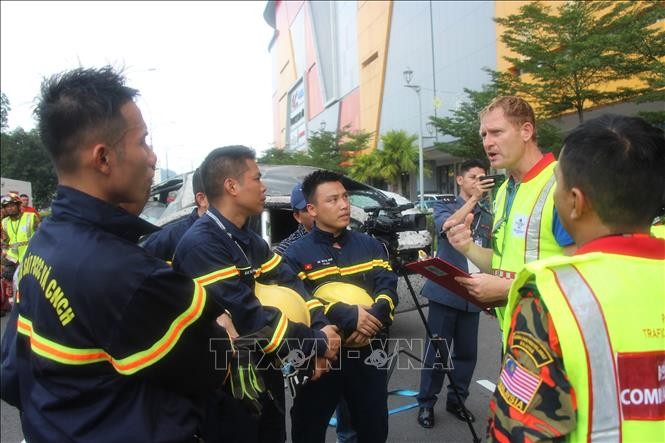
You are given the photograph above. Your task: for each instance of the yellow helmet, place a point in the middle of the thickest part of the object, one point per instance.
(333, 292)
(286, 300)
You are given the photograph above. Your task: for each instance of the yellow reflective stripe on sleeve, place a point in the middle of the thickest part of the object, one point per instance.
(128, 365)
(390, 302)
(383, 264)
(278, 335)
(326, 308)
(313, 304)
(302, 275)
(386, 298)
(216, 276)
(54, 351)
(348, 270)
(271, 264)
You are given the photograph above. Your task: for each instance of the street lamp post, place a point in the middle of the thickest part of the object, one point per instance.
(408, 76)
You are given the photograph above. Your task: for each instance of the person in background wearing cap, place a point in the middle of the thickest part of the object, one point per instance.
(161, 244)
(305, 221)
(17, 229)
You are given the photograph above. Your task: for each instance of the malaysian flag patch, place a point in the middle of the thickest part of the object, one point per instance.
(516, 385)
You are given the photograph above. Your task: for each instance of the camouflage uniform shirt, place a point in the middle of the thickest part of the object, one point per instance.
(533, 400)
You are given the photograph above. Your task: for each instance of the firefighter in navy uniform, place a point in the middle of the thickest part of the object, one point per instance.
(329, 256)
(584, 356)
(221, 249)
(107, 343)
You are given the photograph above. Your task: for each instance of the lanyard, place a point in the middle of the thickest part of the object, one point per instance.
(511, 191)
(14, 226)
(223, 228)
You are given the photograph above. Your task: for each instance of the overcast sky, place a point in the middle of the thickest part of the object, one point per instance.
(203, 68)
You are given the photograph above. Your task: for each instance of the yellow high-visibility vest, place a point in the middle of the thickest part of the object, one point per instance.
(525, 233)
(19, 233)
(608, 311)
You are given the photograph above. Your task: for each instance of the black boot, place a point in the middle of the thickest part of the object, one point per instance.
(426, 417)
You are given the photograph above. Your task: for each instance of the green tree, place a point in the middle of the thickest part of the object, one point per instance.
(464, 124)
(24, 157)
(549, 137)
(365, 167)
(573, 52)
(5, 108)
(324, 150)
(332, 149)
(276, 156)
(398, 156)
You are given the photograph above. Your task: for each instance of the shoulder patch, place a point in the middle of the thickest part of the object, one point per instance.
(516, 385)
(531, 347)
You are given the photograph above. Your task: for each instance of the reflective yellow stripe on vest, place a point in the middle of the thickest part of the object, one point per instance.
(602, 307)
(605, 417)
(532, 246)
(19, 237)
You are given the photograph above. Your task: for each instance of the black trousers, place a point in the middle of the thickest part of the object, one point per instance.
(228, 420)
(460, 330)
(364, 388)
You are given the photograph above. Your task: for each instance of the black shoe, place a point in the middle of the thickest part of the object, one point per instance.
(426, 417)
(458, 412)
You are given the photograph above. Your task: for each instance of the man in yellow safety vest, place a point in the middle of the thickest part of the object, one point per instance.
(17, 229)
(526, 226)
(583, 335)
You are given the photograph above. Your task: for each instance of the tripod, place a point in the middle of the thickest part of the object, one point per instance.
(437, 345)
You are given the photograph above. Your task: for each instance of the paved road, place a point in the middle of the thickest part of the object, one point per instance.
(403, 426)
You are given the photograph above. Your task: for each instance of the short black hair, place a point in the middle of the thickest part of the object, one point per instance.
(77, 104)
(473, 163)
(223, 163)
(24, 195)
(313, 180)
(618, 163)
(197, 182)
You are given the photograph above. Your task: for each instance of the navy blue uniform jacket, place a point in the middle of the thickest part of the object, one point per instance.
(361, 260)
(481, 226)
(162, 243)
(112, 344)
(231, 260)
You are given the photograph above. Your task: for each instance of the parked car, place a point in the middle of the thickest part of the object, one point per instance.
(276, 222)
(430, 199)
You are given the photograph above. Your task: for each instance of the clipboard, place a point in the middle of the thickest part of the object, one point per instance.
(444, 273)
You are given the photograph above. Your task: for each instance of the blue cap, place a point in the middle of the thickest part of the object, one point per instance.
(298, 198)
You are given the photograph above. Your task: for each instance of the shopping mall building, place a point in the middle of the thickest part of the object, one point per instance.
(341, 64)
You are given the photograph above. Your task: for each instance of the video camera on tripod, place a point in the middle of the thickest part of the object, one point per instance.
(385, 223)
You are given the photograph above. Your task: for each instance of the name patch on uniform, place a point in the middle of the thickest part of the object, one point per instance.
(532, 348)
(516, 385)
(642, 385)
(519, 225)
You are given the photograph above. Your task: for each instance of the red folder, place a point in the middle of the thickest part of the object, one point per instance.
(444, 273)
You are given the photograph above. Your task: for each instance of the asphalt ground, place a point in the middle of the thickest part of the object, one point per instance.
(403, 425)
